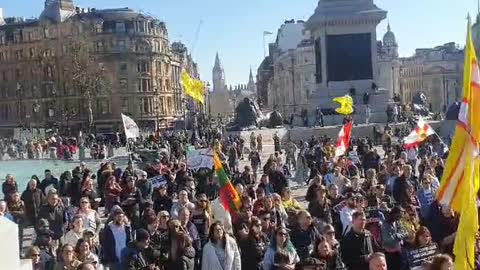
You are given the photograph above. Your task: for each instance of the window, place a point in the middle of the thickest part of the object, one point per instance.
(31, 52)
(142, 46)
(120, 27)
(4, 76)
(169, 104)
(2, 57)
(103, 106)
(160, 85)
(144, 85)
(123, 67)
(100, 46)
(48, 53)
(141, 26)
(124, 104)
(2, 39)
(159, 67)
(123, 84)
(49, 72)
(143, 67)
(65, 89)
(46, 32)
(18, 73)
(29, 36)
(19, 54)
(121, 45)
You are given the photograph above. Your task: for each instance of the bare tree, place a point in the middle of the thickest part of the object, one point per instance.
(86, 74)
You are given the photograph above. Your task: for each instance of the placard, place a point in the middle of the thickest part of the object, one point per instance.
(418, 257)
(158, 181)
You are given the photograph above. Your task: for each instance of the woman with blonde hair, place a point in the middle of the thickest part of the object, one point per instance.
(90, 217)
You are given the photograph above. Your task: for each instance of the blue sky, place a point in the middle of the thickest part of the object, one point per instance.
(234, 27)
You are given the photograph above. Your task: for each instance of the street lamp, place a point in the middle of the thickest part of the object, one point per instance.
(185, 103)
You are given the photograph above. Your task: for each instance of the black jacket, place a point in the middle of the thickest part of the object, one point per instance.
(321, 212)
(56, 218)
(134, 258)
(252, 251)
(108, 244)
(162, 203)
(33, 202)
(47, 182)
(304, 240)
(355, 249)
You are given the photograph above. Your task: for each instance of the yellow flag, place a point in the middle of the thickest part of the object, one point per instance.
(346, 105)
(460, 180)
(193, 88)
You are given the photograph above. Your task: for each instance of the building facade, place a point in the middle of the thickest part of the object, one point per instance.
(286, 78)
(142, 67)
(436, 72)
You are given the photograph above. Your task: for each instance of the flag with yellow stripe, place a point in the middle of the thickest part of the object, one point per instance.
(228, 195)
(460, 180)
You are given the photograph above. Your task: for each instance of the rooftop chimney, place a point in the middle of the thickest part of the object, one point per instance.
(2, 21)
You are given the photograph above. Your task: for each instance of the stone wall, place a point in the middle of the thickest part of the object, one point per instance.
(304, 134)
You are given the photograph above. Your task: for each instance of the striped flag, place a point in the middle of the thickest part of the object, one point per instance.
(344, 139)
(418, 135)
(460, 181)
(228, 195)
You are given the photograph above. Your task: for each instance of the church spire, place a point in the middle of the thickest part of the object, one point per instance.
(250, 78)
(218, 64)
(388, 27)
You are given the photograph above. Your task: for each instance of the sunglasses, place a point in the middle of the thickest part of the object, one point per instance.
(35, 255)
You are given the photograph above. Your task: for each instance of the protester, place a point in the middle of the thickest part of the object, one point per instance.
(221, 252)
(174, 209)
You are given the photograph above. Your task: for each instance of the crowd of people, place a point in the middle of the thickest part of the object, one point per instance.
(364, 210)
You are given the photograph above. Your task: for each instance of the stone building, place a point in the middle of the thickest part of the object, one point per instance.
(437, 72)
(293, 59)
(132, 48)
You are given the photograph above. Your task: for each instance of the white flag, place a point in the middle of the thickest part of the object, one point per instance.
(131, 128)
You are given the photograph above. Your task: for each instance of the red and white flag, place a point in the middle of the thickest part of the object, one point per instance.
(418, 135)
(344, 139)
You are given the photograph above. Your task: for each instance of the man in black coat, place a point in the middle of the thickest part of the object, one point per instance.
(54, 213)
(358, 244)
(48, 181)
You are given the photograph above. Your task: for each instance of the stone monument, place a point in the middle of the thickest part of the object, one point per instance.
(345, 38)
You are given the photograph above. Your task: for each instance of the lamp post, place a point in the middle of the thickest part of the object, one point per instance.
(185, 103)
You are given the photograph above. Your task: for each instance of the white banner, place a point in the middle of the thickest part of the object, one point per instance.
(200, 158)
(131, 128)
